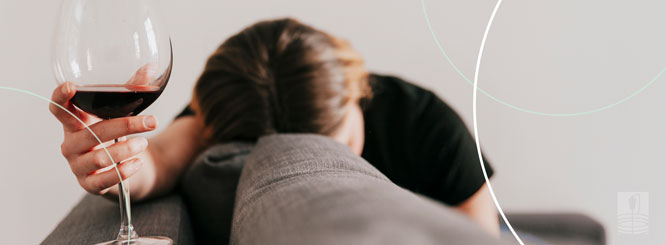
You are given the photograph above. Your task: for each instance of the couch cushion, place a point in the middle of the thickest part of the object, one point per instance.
(96, 219)
(309, 189)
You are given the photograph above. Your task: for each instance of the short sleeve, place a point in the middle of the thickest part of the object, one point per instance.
(447, 153)
(420, 143)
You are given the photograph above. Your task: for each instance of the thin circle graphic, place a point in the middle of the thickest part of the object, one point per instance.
(115, 166)
(523, 109)
(476, 131)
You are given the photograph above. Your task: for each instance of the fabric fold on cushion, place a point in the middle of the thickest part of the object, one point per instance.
(208, 188)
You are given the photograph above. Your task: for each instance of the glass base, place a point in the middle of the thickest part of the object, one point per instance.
(146, 240)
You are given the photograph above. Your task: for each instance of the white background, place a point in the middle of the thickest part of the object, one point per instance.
(550, 56)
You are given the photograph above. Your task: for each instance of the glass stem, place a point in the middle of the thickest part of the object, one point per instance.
(126, 229)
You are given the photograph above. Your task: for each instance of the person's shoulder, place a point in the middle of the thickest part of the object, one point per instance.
(390, 90)
(399, 90)
(389, 84)
(393, 94)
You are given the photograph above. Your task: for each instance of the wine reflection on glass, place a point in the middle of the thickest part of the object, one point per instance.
(119, 56)
(108, 101)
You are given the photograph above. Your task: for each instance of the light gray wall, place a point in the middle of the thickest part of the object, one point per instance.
(549, 56)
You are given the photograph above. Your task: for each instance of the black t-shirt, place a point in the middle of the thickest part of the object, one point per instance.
(418, 141)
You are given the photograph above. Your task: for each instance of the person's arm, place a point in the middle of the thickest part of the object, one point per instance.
(165, 159)
(157, 163)
(481, 209)
(449, 169)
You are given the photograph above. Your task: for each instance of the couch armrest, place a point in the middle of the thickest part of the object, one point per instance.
(95, 219)
(558, 228)
(309, 189)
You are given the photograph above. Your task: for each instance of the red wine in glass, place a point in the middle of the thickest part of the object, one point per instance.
(114, 101)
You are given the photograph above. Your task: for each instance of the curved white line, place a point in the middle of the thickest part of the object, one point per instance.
(106, 150)
(476, 131)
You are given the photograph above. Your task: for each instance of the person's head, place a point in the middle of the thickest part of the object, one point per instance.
(282, 76)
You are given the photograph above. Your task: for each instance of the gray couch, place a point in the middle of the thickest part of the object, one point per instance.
(302, 189)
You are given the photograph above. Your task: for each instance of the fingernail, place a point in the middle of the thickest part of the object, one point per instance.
(66, 89)
(135, 164)
(149, 122)
(141, 142)
(137, 144)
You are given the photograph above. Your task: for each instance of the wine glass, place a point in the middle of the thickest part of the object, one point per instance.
(118, 54)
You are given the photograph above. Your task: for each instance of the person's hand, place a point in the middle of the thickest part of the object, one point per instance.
(88, 160)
